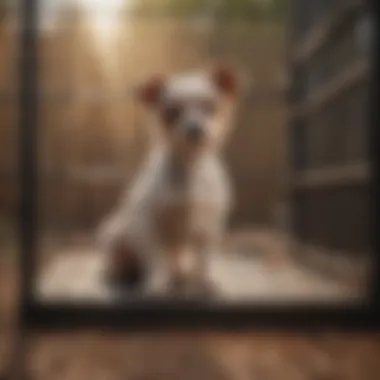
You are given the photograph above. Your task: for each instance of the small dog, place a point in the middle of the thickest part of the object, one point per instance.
(182, 197)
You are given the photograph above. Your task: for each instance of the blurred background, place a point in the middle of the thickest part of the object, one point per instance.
(93, 52)
(298, 155)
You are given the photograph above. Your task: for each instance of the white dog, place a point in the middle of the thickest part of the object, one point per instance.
(181, 199)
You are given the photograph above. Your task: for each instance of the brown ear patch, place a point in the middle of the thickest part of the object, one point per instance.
(150, 91)
(225, 80)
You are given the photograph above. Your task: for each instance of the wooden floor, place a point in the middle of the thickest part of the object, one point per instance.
(96, 355)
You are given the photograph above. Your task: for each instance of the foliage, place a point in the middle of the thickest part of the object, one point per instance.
(229, 8)
(7, 6)
(3, 7)
(255, 8)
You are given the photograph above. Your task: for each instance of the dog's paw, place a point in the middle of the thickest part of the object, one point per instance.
(177, 284)
(125, 268)
(205, 288)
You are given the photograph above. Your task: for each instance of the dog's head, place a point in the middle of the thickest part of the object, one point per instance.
(193, 111)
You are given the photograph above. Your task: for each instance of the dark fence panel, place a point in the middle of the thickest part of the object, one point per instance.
(329, 128)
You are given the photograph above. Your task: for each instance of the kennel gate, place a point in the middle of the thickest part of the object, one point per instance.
(330, 46)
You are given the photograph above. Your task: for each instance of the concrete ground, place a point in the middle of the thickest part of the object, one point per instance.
(254, 267)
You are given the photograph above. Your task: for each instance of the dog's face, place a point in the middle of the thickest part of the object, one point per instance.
(192, 110)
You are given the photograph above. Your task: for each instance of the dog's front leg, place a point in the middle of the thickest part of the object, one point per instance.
(176, 273)
(202, 260)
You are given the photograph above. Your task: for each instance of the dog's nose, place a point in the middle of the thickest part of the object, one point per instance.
(194, 132)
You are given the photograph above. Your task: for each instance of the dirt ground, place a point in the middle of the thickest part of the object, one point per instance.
(142, 356)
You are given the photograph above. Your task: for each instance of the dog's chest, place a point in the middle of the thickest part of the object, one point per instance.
(194, 201)
(204, 185)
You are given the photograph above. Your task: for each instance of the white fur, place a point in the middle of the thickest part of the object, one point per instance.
(189, 86)
(207, 194)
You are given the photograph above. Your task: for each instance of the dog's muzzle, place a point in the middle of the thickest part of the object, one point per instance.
(195, 133)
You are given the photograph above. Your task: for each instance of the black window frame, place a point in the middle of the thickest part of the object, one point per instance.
(154, 314)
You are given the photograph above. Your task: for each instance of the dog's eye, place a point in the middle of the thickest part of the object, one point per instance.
(208, 106)
(172, 113)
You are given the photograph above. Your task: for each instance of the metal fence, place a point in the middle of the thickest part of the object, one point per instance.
(330, 62)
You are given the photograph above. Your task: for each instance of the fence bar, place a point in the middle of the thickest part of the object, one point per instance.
(28, 145)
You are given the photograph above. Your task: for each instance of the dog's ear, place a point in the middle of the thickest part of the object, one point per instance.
(150, 91)
(225, 79)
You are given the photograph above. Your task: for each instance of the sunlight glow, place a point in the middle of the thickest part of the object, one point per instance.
(104, 20)
(103, 15)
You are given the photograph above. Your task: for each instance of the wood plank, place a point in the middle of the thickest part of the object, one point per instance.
(320, 34)
(353, 75)
(205, 355)
(348, 267)
(333, 176)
